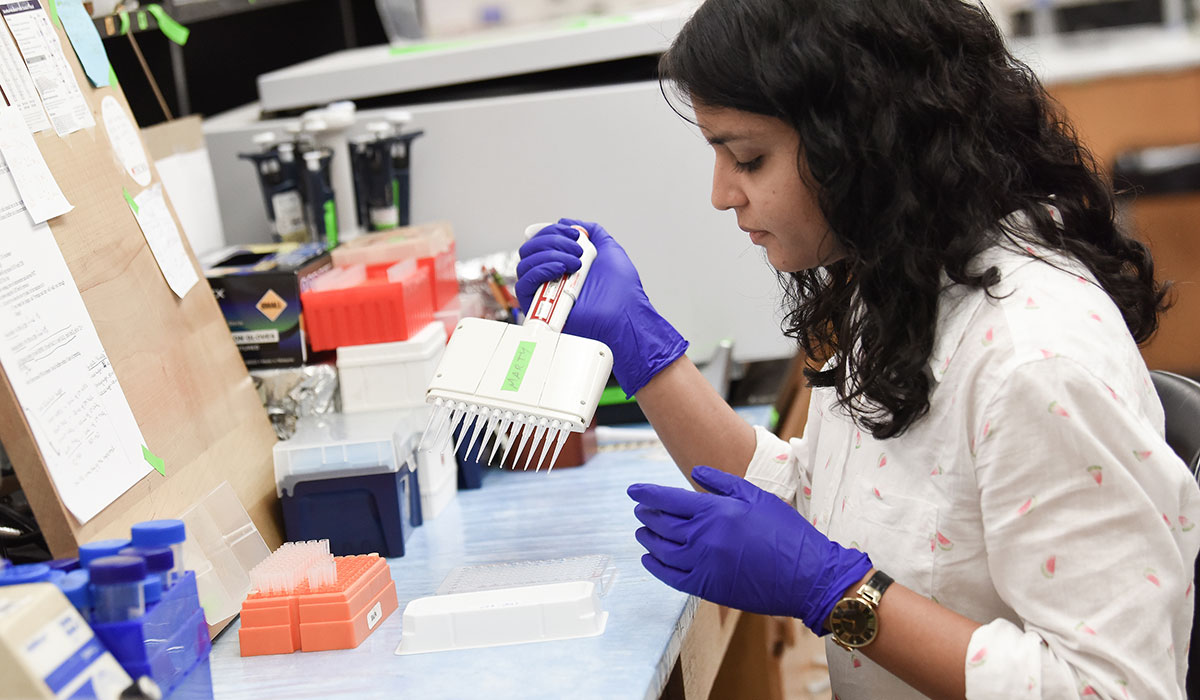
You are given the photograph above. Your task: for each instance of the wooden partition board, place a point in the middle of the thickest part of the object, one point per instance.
(175, 359)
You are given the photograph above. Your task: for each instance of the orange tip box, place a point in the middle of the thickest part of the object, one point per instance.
(431, 245)
(335, 616)
(359, 305)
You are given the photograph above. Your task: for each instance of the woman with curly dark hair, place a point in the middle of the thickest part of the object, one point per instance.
(983, 428)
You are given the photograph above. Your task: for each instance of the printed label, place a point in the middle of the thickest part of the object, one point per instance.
(289, 213)
(255, 337)
(271, 305)
(374, 616)
(520, 363)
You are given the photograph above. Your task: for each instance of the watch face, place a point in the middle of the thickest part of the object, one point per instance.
(853, 622)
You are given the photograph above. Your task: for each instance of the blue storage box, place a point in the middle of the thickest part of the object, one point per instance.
(167, 643)
(351, 479)
(470, 470)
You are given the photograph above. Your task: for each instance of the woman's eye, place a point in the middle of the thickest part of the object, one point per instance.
(747, 166)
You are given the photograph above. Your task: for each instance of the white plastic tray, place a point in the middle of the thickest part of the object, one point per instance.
(502, 616)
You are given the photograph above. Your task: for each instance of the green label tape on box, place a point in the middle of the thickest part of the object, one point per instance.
(520, 363)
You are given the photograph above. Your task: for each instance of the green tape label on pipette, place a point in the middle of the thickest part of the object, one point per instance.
(520, 363)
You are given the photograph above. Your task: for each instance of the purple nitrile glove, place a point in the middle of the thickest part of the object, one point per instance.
(743, 547)
(612, 308)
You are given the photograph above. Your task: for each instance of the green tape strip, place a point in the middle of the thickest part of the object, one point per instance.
(173, 30)
(124, 22)
(156, 462)
(598, 21)
(429, 46)
(129, 200)
(331, 231)
(143, 21)
(395, 193)
(614, 396)
(112, 77)
(520, 363)
(52, 8)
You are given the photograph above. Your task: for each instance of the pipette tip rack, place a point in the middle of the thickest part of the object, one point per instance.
(309, 600)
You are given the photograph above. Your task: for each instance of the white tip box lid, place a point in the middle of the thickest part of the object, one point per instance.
(339, 445)
(425, 345)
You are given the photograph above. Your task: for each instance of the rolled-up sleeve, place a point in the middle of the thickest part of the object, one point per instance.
(780, 467)
(1088, 519)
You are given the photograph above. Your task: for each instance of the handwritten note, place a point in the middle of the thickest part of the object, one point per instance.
(165, 242)
(40, 193)
(52, 74)
(58, 368)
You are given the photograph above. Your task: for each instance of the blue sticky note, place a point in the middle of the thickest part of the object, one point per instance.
(86, 40)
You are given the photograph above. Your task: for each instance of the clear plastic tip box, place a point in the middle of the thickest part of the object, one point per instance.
(351, 479)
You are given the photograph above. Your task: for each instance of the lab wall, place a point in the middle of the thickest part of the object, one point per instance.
(616, 154)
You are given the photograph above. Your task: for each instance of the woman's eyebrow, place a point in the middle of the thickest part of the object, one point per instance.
(721, 139)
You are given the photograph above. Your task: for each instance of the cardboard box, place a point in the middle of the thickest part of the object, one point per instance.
(258, 289)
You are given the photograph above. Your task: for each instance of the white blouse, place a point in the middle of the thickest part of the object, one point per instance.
(1037, 497)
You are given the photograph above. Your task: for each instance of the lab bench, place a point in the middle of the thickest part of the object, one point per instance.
(658, 641)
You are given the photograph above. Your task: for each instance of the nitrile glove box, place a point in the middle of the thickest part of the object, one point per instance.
(351, 479)
(258, 289)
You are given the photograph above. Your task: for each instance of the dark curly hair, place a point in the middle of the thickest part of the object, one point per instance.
(921, 132)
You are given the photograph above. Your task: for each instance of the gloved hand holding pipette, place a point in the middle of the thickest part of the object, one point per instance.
(612, 308)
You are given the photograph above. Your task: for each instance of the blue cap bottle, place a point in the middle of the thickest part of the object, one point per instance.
(117, 593)
(77, 588)
(90, 551)
(24, 573)
(157, 534)
(159, 562)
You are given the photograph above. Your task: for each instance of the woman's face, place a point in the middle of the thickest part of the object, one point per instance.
(756, 176)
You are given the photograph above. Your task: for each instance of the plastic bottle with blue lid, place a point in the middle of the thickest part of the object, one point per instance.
(158, 534)
(159, 562)
(90, 551)
(76, 586)
(117, 588)
(14, 574)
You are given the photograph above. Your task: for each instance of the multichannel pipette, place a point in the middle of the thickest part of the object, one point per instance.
(512, 383)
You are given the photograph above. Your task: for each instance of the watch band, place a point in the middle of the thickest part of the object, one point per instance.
(873, 589)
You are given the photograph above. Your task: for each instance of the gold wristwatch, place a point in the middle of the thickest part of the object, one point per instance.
(854, 621)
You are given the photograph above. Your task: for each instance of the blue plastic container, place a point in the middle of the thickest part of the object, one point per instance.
(350, 479)
(24, 573)
(167, 642)
(357, 514)
(470, 471)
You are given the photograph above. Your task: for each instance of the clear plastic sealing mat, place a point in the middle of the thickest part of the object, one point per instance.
(597, 568)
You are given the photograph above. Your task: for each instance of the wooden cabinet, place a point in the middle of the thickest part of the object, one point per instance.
(1116, 115)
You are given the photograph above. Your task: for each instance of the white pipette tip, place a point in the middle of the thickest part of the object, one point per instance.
(434, 415)
(516, 426)
(501, 434)
(562, 440)
(468, 419)
(488, 431)
(537, 437)
(526, 432)
(476, 433)
(552, 433)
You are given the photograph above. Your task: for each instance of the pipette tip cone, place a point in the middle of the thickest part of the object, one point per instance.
(562, 440)
(500, 435)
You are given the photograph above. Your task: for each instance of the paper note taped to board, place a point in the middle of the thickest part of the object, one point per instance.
(18, 85)
(44, 57)
(42, 197)
(126, 143)
(59, 370)
(150, 209)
